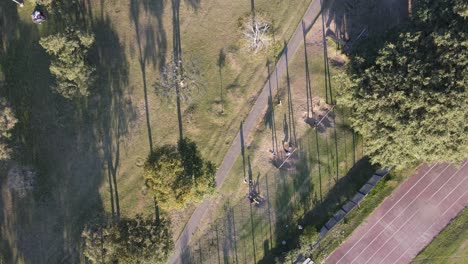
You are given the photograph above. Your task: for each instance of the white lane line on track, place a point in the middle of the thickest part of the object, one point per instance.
(455, 203)
(411, 202)
(388, 254)
(409, 219)
(414, 185)
(438, 190)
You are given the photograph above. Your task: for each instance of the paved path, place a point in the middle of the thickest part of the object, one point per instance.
(409, 219)
(250, 122)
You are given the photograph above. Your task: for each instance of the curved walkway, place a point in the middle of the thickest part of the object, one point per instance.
(409, 219)
(248, 126)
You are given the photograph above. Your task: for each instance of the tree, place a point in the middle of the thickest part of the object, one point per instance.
(68, 64)
(100, 243)
(179, 79)
(410, 101)
(137, 240)
(307, 240)
(177, 176)
(7, 123)
(256, 31)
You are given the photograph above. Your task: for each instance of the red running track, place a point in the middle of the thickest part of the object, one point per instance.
(409, 219)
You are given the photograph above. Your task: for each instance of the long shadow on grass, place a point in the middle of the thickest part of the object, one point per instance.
(151, 47)
(221, 63)
(112, 104)
(291, 118)
(269, 117)
(177, 52)
(308, 86)
(69, 143)
(327, 83)
(293, 191)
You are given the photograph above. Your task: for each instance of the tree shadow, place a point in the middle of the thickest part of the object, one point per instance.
(326, 66)
(345, 188)
(151, 35)
(177, 57)
(69, 143)
(291, 119)
(118, 112)
(177, 52)
(320, 212)
(242, 142)
(194, 4)
(221, 63)
(308, 86)
(346, 19)
(269, 117)
(230, 240)
(151, 48)
(285, 130)
(292, 193)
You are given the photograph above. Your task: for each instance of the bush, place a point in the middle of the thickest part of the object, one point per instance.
(177, 176)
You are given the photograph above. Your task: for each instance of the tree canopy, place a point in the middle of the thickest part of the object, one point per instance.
(138, 240)
(410, 101)
(7, 123)
(178, 176)
(68, 64)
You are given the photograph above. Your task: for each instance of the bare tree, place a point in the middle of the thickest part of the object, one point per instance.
(256, 31)
(179, 79)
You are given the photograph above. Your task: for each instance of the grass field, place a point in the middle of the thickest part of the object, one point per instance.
(450, 246)
(327, 169)
(206, 28)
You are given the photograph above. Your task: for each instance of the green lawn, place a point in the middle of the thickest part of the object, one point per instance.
(206, 29)
(450, 246)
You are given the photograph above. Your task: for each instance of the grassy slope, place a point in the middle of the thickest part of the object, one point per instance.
(450, 246)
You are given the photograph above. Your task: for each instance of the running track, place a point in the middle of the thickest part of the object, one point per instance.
(409, 219)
